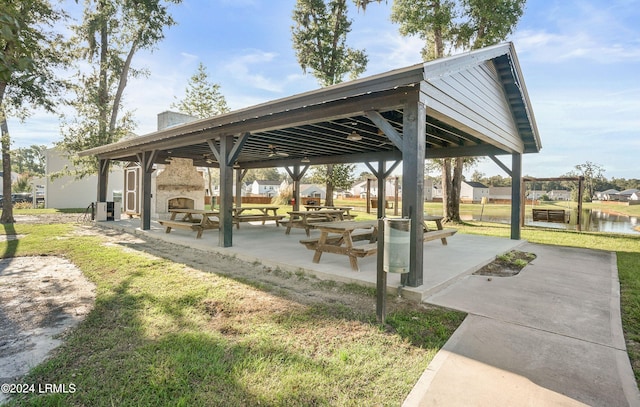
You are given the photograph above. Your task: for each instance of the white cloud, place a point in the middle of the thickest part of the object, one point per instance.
(242, 67)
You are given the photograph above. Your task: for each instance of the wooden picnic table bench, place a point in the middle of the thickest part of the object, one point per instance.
(339, 238)
(264, 214)
(343, 242)
(430, 235)
(346, 215)
(198, 223)
(308, 219)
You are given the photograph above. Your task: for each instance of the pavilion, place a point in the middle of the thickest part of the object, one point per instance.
(471, 104)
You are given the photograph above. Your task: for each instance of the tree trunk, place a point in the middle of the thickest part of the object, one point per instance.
(446, 188)
(7, 205)
(456, 187)
(328, 201)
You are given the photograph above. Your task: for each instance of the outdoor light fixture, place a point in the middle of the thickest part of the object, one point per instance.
(354, 136)
(305, 160)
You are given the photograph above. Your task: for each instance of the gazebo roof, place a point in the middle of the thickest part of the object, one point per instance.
(476, 105)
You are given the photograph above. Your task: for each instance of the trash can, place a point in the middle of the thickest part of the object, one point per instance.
(397, 237)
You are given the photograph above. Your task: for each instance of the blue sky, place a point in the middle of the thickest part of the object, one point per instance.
(580, 60)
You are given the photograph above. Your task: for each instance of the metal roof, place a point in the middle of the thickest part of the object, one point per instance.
(314, 125)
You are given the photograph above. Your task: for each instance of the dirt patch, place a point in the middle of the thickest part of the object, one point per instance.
(41, 298)
(507, 265)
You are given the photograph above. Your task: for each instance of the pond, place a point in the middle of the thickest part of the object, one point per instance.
(592, 220)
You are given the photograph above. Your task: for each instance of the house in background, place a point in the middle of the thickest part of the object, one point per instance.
(313, 191)
(68, 192)
(14, 177)
(359, 189)
(500, 194)
(627, 194)
(265, 188)
(608, 195)
(473, 191)
(559, 195)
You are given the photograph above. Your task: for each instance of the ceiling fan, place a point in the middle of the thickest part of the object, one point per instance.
(275, 152)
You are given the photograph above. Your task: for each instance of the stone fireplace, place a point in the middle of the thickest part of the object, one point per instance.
(178, 186)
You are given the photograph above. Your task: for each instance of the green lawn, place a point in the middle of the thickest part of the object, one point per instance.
(164, 333)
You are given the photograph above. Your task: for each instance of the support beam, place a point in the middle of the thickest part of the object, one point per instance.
(516, 193)
(225, 233)
(386, 127)
(146, 159)
(382, 193)
(296, 174)
(240, 174)
(501, 164)
(103, 180)
(414, 127)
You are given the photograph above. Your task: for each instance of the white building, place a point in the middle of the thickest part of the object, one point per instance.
(68, 192)
(627, 194)
(265, 188)
(14, 178)
(473, 191)
(313, 191)
(360, 188)
(559, 195)
(608, 195)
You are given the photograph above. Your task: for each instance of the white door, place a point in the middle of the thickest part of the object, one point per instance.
(131, 202)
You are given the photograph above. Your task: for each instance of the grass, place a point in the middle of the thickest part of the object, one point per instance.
(162, 333)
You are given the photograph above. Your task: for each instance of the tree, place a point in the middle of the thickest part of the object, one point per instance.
(111, 33)
(263, 174)
(29, 54)
(592, 173)
(448, 24)
(342, 176)
(29, 160)
(202, 99)
(319, 38)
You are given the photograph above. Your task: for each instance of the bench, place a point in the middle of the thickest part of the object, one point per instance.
(441, 234)
(549, 215)
(365, 250)
(257, 218)
(372, 248)
(312, 244)
(176, 224)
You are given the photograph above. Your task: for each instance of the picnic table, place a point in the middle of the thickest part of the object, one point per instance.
(338, 238)
(308, 219)
(439, 232)
(347, 210)
(197, 220)
(264, 213)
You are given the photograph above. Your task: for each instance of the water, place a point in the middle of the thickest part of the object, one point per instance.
(592, 221)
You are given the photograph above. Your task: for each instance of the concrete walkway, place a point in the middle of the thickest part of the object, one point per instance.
(550, 336)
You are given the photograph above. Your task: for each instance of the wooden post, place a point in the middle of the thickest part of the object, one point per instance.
(381, 189)
(103, 179)
(381, 277)
(413, 154)
(225, 231)
(368, 196)
(516, 195)
(146, 159)
(395, 203)
(579, 217)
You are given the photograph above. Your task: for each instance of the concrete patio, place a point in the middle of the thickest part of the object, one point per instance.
(269, 245)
